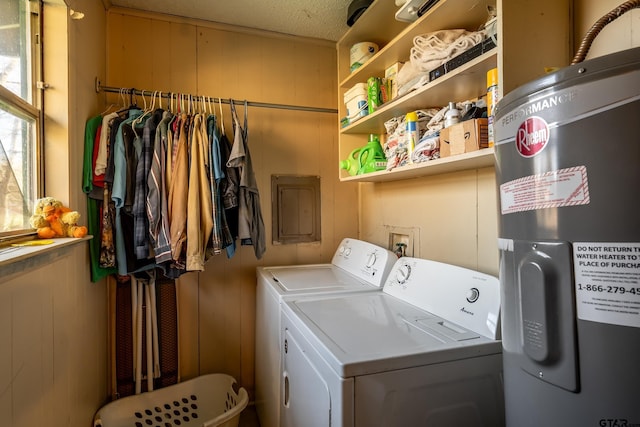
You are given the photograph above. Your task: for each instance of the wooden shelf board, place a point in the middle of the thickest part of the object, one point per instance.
(465, 82)
(472, 160)
(444, 15)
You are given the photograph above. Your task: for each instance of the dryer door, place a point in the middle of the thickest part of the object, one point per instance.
(305, 396)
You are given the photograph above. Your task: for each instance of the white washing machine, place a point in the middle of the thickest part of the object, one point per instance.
(357, 266)
(423, 352)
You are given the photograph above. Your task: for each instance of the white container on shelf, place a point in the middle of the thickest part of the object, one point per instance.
(355, 99)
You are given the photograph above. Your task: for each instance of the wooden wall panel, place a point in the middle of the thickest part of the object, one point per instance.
(53, 319)
(217, 306)
(53, 353)
(449, 221)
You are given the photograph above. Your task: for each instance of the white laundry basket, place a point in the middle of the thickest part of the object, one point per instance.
(204, 401)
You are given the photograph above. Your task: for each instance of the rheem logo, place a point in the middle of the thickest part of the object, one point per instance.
(532, 136)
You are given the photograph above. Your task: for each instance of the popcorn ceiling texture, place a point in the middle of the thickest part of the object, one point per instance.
(320, 19)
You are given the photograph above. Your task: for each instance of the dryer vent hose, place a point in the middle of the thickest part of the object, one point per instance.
(599, 25)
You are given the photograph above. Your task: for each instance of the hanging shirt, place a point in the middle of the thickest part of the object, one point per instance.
(199, 204)
(221, 235)
(250, 223)
(178, 191)
(101, 154)
(97, 183)
(141, 220)
(157, 195)
(119, 190)
(93, 206)
(229, 187)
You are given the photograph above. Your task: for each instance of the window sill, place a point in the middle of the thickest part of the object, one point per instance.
(23, 258)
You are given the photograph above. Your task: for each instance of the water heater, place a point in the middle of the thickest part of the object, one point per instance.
(568, 169)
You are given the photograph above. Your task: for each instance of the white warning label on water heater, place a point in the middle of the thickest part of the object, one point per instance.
(607, 279)
(562, 187)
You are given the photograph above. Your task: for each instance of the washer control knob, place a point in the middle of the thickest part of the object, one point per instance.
(473, 294)
(347, 252)
(371, 260)
(341, 250)
(403, 273)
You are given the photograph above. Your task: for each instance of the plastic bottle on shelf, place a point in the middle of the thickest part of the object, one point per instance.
(492, 99)
(371, 157)
(452, 116)
(373, 94)
(352, 163)
(412, 135)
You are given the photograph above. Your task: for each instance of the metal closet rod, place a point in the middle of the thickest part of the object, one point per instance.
(133, 91)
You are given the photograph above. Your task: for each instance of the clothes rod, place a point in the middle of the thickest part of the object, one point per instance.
(133, 91)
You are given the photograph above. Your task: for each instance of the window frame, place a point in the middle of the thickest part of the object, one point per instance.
(33, 110)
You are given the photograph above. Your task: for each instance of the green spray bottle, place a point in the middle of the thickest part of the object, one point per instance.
(371, 157)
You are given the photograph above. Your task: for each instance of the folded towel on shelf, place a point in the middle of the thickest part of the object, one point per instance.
(431, 50)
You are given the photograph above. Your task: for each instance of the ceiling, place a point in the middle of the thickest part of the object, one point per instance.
(321, 19)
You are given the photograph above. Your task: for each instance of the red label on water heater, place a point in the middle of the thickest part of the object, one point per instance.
(532, 136)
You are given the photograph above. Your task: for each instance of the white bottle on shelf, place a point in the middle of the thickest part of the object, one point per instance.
(452, 116)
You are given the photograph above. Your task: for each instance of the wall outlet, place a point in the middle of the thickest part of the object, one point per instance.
(403, 238)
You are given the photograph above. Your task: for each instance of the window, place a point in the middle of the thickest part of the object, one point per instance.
(20, 114)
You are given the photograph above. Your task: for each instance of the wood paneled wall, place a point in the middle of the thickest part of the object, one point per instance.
(53, 351)
(452, 218)
(53, 344)
(53, 320)
(155, 52)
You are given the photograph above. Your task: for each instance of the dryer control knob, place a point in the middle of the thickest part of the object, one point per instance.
(473, 294)
(403, 273)
(347, 252)
(341, 250)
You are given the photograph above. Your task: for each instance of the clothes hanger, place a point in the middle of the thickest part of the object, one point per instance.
(145, 111)
(221, 116)
(104, 113)
(133, 100)
(123, 104)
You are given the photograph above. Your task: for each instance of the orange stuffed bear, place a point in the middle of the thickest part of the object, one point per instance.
(52, 219)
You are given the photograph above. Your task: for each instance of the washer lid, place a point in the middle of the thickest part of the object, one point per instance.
(365, 333)
(321, 277)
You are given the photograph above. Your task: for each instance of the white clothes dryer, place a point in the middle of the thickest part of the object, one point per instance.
(423, 352)
(356, 266)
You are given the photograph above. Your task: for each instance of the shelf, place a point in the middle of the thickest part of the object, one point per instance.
(465, 82)
(444, 15)
(368, 28)
(472, 160)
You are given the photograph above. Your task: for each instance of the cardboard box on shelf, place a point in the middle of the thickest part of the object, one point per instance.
(390, 74)
(470, 135)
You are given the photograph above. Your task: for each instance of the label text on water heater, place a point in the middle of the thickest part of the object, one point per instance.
(532, 136)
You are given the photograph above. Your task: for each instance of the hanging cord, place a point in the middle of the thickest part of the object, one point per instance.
(616, 13)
